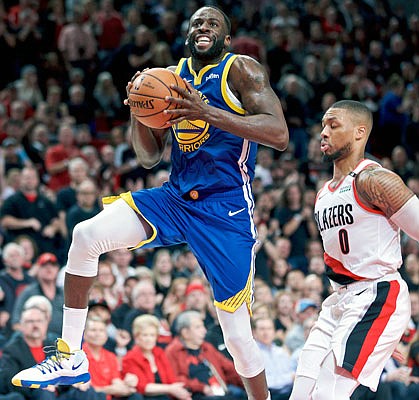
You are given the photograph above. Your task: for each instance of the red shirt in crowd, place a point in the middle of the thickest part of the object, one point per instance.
(136, 363)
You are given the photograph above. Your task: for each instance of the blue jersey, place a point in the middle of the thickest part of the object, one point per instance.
(206, 158)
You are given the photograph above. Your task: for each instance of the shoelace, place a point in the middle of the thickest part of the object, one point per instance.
(52, 362)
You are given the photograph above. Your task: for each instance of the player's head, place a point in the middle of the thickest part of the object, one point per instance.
(208, 33)
(346, 127)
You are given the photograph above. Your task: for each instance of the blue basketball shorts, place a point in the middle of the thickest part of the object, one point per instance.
(217, 227)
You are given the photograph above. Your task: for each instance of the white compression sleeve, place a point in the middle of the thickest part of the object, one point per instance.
(117, 226)
(240, 342)
(407, 218)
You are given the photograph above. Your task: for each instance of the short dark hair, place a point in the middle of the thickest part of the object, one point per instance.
(226, 18)
(356, 107)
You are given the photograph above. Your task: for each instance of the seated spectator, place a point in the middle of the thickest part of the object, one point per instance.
(66, 196)
(12, 281)
(58, 156)
(175, 299)
(28, 348)
(30, 212)
(304, 309)
(86, 205)
(112, 294)
(283, 307)
(279, 366)
(118, 314)
(163, 273)
(148, 362)
(144, 300)
(104, 367)
(203, 369)
(47, 268)
(23, 351)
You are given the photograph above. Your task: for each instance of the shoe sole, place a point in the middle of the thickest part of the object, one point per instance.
(61, 380)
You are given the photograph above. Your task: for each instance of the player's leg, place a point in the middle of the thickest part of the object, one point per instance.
(117, 226)
(244, 350)
(333, 383)
(314, 352)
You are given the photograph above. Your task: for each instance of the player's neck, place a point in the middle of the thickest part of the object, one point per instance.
(342, 167)
(198, 64)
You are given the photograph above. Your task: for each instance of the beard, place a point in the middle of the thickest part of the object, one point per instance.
(212, 53)
(342, 152)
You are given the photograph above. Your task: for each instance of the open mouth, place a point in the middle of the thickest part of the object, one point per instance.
(203, 42)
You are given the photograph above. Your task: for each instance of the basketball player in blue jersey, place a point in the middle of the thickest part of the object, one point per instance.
(228, 108)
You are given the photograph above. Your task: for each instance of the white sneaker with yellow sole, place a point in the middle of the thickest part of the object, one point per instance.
(64, 368)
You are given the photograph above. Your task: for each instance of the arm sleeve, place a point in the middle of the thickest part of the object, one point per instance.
(407, 218)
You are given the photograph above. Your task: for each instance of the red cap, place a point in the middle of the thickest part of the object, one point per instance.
(195, 286)
(47, 258)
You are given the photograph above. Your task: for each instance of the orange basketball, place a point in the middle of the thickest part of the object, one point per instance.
(146, 97)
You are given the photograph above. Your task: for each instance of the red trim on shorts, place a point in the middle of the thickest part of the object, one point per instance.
(339, 268)
(377, 328)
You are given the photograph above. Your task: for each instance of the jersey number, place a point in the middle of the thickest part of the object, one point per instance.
(344, 241)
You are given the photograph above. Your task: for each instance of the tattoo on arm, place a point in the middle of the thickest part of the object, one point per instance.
(382, 189)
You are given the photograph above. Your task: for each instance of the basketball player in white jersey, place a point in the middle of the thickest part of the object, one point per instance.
(359, 213)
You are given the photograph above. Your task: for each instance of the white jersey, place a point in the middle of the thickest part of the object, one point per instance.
(359, 242)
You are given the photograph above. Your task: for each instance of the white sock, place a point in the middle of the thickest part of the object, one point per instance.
(74, 320)
(269, 396)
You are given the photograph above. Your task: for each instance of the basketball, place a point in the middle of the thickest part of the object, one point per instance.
(146, 97)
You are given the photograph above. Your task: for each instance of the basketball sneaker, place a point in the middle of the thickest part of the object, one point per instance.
(63, 368)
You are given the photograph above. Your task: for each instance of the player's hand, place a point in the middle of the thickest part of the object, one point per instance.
(131, 82)
(191, 105)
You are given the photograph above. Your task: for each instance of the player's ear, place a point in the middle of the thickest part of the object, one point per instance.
(361, 132)
(227, 41)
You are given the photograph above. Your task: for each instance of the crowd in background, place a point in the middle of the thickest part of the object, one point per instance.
(65, 143)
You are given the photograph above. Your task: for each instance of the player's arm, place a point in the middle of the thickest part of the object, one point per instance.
(148, 143)
(382, 189)
(264, 121)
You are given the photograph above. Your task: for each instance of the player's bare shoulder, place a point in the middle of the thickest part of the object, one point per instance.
(249, 81)
(382, 189)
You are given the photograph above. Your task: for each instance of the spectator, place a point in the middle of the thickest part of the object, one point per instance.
(144, 301)
(163, 273)
(279, 367)
(108, 99)
(47, 268)
(174, 301)
(304, 309)
(85, 207)
(109, 30)
(121, 264)
(198, 364)
(27, 86)
(392, 119)
(30, 212)
(112, 294)
(13, 281)
(77, 43)
(23, 351)
(297, 221)
(284, 317)
(58, 156)
(67, 195)
(148, 362)
(105, 372)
